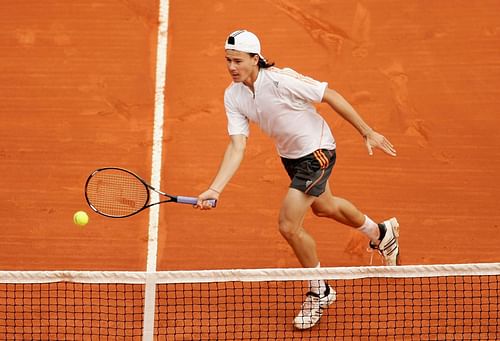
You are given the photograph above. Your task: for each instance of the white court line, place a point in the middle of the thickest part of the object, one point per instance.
(156, 161)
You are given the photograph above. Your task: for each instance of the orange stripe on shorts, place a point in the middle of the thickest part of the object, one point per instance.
(315, 182)
(321, 157)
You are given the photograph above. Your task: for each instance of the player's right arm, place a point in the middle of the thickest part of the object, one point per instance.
(230, 163)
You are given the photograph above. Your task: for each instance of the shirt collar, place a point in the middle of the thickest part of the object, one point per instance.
(256, 84)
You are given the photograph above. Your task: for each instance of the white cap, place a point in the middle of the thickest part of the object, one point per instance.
(244, 41)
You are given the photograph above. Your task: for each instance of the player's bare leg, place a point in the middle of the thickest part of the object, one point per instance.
(339, 209)
(291, 218)
(320, 294)
(383, 237)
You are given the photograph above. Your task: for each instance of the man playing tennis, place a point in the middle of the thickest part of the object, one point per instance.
(280, 102)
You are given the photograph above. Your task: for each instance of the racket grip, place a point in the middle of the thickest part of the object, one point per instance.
(193, 201)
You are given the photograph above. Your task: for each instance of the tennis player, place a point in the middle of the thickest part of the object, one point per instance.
(281, 101)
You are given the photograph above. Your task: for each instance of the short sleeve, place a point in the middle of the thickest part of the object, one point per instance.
(303, 87)
(237, 123)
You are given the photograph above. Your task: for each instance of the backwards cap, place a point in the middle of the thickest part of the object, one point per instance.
(244, 41)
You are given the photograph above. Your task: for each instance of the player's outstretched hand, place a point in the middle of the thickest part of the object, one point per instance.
(376, 140)
(203, 199)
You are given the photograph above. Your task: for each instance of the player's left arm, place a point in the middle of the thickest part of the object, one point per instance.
(346, 110)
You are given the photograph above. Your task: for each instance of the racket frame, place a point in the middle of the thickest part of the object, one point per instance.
(149, 188)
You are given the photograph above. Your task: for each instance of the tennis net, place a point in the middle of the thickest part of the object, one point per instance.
(428, 302)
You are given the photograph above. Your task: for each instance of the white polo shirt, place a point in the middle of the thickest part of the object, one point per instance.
(282, 107)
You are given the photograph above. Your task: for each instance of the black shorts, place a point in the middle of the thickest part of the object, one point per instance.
(310, 173)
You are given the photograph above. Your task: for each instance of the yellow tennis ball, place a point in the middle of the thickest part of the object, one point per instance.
(80, 218)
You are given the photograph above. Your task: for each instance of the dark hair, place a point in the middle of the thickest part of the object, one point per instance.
(263, 64)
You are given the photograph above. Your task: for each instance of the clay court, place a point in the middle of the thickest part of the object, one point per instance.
(77, 92)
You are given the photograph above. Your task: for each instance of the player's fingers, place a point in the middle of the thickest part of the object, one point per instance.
(390, 151)
(388, 143)
(199, 204)
(393, 151)
(207, 204)
(389, 148)
(203, 204)
(369, 147)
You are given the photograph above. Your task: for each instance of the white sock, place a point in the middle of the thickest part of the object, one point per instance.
(318, 286)
(370, 229)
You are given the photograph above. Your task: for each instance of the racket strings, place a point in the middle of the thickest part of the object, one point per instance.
(116, 193)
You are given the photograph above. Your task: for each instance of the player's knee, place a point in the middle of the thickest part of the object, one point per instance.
(288, 230)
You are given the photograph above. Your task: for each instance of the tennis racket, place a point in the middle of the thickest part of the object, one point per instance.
(118, 193)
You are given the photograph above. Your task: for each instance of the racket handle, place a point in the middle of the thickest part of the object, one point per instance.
(193, 201)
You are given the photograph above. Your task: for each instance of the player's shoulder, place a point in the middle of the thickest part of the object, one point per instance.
(233, 88)
(233, 93)
(230, 87)
(282, 72)
(288, 74)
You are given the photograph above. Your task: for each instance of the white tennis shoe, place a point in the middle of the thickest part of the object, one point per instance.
(389, 245)
(312, 308)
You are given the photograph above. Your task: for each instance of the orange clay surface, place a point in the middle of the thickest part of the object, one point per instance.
(77, 92)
